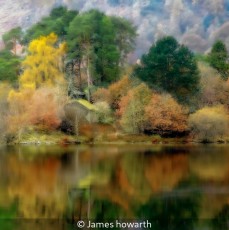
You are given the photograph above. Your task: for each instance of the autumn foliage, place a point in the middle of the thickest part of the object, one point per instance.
(215, 90)
(164, 114)
(143, 110)
(48, 116)
(113, 94)
(139, 109)
(104, 113)
(131, 109)
(38, 101)
(18, 103)
(118, 90)
(4, 91)
(43, 64)
(101, 95)
(39, 108)
(209, 123)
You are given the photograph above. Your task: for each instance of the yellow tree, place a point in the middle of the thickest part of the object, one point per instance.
(42, 69)
(43, 64)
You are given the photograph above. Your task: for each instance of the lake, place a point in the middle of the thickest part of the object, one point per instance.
(172, 187)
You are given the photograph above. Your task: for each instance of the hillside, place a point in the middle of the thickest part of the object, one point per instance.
(193, 22)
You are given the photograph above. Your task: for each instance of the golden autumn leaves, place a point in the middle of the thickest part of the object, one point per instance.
(36, 101)
(43, 64)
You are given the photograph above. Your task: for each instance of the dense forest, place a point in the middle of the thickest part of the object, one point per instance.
(68, 78)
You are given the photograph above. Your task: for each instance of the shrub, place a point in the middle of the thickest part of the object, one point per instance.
(104, 113)
(209, 123)
(165, 115)
(17, 118)
(41, 108)
(132, 109)
(114, 93)
(118, 90)
(45, 109)
(214, 89)
(4, 91)
(101, 94)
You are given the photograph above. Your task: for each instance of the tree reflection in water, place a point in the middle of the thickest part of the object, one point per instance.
(170, 186)
(170, 211)
(8, 216)
(221, 220)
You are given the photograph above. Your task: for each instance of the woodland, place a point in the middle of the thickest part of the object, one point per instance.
(68, 79)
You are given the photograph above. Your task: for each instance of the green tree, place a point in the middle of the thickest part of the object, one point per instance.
(125, 37)
(91, 37)
(218, 59)
(171, 67)
(12, 37)
(9, 66)
(80, 45)
(57, 22)
(9, 59)
(94, 37)
(108, 56)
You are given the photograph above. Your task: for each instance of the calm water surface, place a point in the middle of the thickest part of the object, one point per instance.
(174, 187)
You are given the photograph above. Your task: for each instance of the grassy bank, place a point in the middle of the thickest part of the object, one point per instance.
(36, 137)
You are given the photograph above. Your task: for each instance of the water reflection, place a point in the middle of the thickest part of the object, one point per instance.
(181, 187)
(220, 221)
(172, 212)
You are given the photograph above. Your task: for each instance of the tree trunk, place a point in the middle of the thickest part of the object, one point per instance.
(88, 78)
